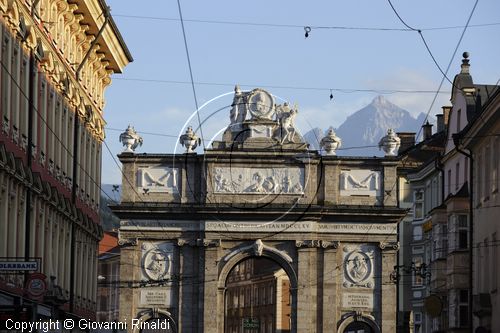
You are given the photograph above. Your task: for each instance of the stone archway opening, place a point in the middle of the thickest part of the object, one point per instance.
(155, 321)
(358, 327)
(258, 297)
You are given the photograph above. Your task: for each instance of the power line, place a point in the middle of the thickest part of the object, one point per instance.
(190, 72)
(327, 89)
(294, 26)
(448, 67)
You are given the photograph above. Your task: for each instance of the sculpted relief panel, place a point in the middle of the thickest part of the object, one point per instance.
(360, 182)
(238, 180)
(158, 179)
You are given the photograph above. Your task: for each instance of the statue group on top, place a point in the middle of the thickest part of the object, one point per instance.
(256, 118)
(258, 111)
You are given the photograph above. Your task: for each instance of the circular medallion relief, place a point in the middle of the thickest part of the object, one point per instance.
(156, 264)
(261, 104)
(358, 266)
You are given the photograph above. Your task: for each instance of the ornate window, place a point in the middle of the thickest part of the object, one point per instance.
(418, 210)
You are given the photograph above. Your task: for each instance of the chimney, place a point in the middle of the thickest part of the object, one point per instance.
(439, 123)
(407, 140)
(427, 130)
(465, 64)
(446, 114)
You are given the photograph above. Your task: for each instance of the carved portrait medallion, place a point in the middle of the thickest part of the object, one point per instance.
(157, 260)
(261, 104)
(358, 266)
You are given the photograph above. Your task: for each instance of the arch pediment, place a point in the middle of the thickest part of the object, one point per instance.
(258, 249)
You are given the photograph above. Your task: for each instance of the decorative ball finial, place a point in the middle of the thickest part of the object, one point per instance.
(466, 55)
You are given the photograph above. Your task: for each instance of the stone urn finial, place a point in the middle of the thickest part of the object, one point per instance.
(390, 143)
(331, 142)
(130, 140)
(189, 140)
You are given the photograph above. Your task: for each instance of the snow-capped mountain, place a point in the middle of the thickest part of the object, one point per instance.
(361, 131)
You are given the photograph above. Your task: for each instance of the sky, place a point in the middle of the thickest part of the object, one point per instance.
(262, 44)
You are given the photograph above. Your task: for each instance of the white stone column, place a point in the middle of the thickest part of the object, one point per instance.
(51, 115)
(33, 223)
(95, 254)
(21, 221)
(6, 85)
(85, 268)
(42, 236)
(88, 167)
(12, 219)
(62, 251)
(64, 139)
(48, 241)
(79, 271)
(43, 117)
(71, 137)
(81, 159)
(4, 213)
(68, 263)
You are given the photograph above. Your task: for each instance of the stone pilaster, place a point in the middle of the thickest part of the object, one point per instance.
(307, 291)
(129, 260)
(210, 293)
(188, 289)
(390, 188)
(330, 274)
(388, 309)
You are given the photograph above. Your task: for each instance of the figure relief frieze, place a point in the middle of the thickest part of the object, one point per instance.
(241, 180)
(358, 263)
(157, 258)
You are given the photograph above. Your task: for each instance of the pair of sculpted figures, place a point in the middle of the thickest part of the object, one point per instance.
(260, 104)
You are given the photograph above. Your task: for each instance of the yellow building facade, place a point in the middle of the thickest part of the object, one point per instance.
(57, 58)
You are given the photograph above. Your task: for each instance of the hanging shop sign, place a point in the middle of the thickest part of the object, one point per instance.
(18, 265)
(36, 285)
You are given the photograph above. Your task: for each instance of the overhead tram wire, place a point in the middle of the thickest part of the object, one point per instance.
(448, 67)
(190, 72)
(293, 26)
(423, 40)
(327, 89)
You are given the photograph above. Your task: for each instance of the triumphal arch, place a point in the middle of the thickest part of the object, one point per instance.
(257, 232)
